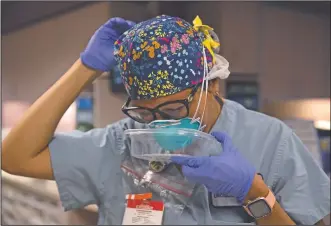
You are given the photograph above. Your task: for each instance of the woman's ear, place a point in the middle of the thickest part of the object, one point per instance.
(214, 86)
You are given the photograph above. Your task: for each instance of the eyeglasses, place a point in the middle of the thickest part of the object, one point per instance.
(176, 109)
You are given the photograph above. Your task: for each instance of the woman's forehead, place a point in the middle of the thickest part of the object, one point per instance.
(152, 103)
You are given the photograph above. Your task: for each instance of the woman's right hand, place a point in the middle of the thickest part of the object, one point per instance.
(99, 53)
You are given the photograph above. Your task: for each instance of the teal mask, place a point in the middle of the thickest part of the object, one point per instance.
(170, 140)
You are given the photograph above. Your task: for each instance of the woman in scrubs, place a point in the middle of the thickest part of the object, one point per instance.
(164, 63)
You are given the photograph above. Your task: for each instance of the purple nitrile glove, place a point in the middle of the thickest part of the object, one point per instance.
(228, 174)
(99, 53)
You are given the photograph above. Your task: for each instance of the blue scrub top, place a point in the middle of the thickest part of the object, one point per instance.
(87, 169)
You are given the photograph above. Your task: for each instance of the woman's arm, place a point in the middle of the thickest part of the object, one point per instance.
(278, 216)
(25, 149)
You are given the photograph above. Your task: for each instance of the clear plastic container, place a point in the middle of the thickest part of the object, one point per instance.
(161, 144)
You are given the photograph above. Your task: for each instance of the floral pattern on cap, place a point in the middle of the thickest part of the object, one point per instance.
(160, 57)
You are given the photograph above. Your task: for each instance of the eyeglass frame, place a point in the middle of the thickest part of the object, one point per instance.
(153, 111)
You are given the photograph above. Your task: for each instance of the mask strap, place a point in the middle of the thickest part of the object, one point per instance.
(206, 82)
(195, 120)
(203, 82)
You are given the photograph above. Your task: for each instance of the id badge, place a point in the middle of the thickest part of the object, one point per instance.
(224, 201)
(140, 210)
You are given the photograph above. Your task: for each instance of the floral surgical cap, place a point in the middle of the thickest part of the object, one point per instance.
(160, 57)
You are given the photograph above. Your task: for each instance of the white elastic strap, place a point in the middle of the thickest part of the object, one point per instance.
(205, 64)
(195, 120)
(203, 82)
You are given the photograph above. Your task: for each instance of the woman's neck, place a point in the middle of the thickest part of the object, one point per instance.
(213, 112)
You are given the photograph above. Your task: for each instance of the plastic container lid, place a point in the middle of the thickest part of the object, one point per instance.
(160, 144)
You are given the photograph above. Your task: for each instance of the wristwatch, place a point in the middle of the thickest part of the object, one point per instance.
(262, 206)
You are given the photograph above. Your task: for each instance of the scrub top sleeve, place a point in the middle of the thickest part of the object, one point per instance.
(303, 189)
(76, 159)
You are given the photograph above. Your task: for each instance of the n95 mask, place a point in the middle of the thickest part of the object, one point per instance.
(169, 140)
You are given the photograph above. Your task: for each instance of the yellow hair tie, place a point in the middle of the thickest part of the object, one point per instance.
(209, 42)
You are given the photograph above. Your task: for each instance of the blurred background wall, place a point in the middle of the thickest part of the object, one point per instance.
(284, 47)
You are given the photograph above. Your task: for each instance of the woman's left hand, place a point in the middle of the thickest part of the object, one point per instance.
(228, 174)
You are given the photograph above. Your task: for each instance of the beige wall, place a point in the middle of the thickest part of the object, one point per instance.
(286, 49)
(294, 55)
(309, 109)
(35, 57)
